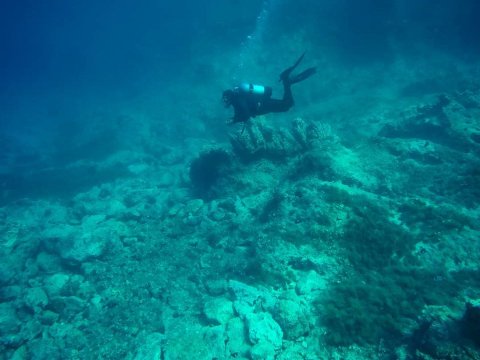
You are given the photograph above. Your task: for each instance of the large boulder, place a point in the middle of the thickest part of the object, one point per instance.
(293, 316)
(263, 329)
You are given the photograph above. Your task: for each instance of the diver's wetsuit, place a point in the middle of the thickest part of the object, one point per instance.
(247, 105)
(251, 100)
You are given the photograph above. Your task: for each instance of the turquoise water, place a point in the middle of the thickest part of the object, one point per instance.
(135, 223)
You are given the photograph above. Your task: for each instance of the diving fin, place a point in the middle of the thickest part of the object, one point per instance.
(286, 73)
(302, 76)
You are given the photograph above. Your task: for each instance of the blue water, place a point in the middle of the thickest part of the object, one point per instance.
(136, 224)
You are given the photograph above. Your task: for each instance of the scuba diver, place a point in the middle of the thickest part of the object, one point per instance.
(250, 100)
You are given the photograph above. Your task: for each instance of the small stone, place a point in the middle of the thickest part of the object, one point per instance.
(36, 299)
(68, 306)
(30, 329)
(217, 215)
(9, 323)
(48, 317)
(7, 272)
(166, 179)
(193, 206)
(8, 293)
(20, 354)
(218, 311)
(151, 348)
(216, 287)
(44, 349)
(48, 263)
(137, 169)
(309, 283)
(262, 351)
(55, 284)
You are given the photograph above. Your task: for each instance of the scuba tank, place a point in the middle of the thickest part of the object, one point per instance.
(256, 90)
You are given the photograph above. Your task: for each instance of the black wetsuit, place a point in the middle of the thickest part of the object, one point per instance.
(248, 104)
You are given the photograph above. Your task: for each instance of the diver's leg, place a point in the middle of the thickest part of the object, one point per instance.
(287, 95)
(278, 105)
(302, 76)
(286, 73)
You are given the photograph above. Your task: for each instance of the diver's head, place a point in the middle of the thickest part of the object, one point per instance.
(227, 97)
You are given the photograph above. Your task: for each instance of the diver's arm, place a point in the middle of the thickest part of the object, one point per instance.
(242, 111)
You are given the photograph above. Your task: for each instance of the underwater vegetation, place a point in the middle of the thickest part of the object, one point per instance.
(207, 169)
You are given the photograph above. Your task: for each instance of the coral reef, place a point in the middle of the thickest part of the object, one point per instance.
(261, 141)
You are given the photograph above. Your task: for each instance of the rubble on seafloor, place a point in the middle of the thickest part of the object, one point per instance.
(306, 247)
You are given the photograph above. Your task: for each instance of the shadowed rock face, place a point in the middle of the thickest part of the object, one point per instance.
(261, 141)
(206, 170)
(471, 323)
